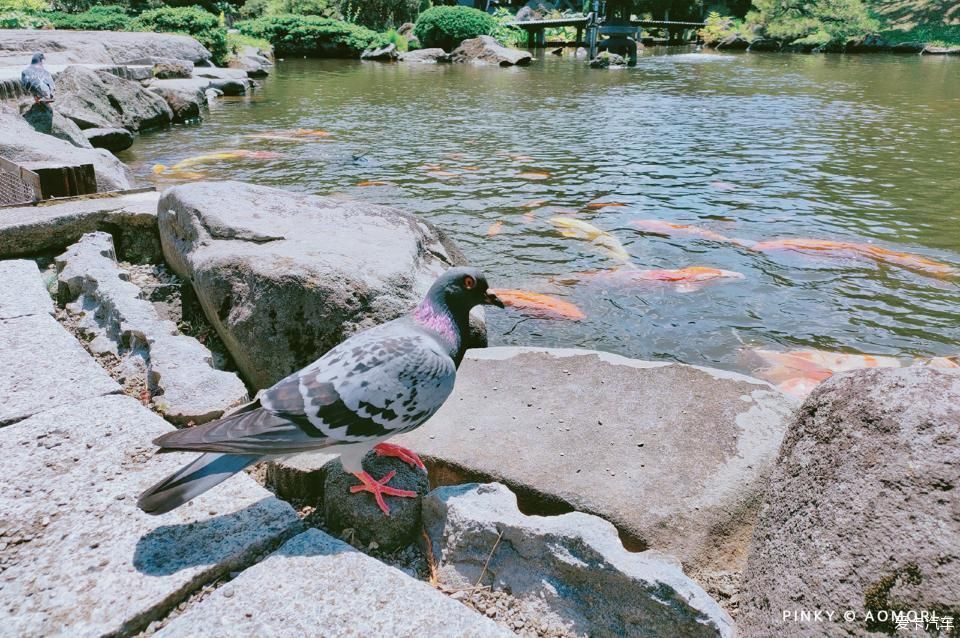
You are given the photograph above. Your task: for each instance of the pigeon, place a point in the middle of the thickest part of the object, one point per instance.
(37, 80)
(378, 383)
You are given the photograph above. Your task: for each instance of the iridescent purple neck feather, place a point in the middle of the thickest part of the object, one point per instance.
(439, 320)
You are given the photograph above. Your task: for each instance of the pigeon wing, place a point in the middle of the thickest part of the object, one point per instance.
(366, 389)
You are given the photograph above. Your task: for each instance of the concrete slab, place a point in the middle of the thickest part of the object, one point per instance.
(43, 366)
(51, 227)
(77, 558)
(22, 291)
(315, 585)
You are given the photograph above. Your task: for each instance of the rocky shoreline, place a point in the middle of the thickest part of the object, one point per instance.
(570, 492)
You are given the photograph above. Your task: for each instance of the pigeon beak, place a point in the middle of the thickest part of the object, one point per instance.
(491, 299)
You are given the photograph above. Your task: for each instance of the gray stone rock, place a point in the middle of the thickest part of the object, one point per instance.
(91, 47)
(98, 99)
(581, 53)
(139, 108)
(252, 61)
(733, 43)
(22, 291)
(386, 53)
(321, 586)
(764, 44)
(486, 50)
(21, 143)
(48, 228)
(42, 366)
(231, 86)
(572, 568)
(428, 56)
(177, 369)
(861, 513)
(44, 119)
(908, 47)
(185, 101)
(299, 478)
(680, 467)
(172, 69)
(606, 60)
(79, 558)
(112, 139)
(798, 47)
(218, 73)
(557, 51)
(871, 43)
(932, 49)
(284, 277)
(406, 29)
(359, 512)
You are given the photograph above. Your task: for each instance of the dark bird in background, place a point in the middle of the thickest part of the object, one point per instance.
(37, 80)
(378, 383)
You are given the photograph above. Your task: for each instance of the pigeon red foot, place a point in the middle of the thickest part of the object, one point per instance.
(407, 456)
(379, 487)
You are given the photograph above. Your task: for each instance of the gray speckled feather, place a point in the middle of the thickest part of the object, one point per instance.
(37, 81)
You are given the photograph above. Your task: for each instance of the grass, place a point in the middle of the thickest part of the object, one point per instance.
(931, 21)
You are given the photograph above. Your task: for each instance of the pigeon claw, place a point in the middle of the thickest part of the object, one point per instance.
(379, 487)
(407, 456)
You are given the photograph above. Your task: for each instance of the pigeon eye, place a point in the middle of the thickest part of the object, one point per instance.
(469, 282)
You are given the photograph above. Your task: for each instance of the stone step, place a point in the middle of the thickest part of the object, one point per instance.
(22, 291)
(316, 585)
(78, 558)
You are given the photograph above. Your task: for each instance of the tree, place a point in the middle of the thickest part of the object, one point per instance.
(816, 22)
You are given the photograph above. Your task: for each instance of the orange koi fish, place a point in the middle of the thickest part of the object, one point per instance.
(441, 174)
(495, 229)
(943, 363)
(840, 248)
(684, 280)
(677, 230)
(539, 305)
(599, 205)
(537, 203)
(798, 372)
(373, 182)
(216, 157)
(534, 175)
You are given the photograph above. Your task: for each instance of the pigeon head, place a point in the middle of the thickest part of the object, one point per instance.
(460, 289)
(38, 58)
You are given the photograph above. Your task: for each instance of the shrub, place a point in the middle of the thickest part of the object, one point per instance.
(24, 6)
(447, 27)
(719, 27)
(322, 8)
(102, 18)
(236, 41)
(194, 21)
(21, 20)
(817, 22)
(380, 14)
(392, 37)
(311, 35)
(509, 36)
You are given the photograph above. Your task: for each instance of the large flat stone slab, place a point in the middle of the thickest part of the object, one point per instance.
(77, 558)
(315, 585)
(43, 366)
(51, 227)
(66, 47)
(22, 291)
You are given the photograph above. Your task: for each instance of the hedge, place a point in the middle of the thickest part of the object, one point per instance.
(447, 27)
(193, 21)
(311, 35)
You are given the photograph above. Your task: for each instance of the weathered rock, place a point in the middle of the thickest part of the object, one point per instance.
(683, 474)
(386, 53)
(51, 227)
(871, 43)
(22, 291)
(321, 586)
(798, 47)
(139, 108)
(172, 69)
(284, 277)
(429, 56)
(20, 143)
(95, 99)
(255, 66)
(557, 51)
(185, 101)
(44, 119)
(605, 60)
(932, 49)
(79, 558)
(177, 369)
(406, 29)
(572, 567)
(112, 139)
(908, 47)
(300, 477)
(359, 512)
(581, 53)
(733, 43)
(230, 87)
(91, 47)
(217, 73)
(861, 513)
(486, 50)
(43, 366)
(764, 44)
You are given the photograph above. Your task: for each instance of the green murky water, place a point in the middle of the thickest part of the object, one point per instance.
(854, 148)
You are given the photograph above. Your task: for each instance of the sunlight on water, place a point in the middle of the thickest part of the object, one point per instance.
(757, 147)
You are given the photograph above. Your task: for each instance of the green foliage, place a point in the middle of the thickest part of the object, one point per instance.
(21, 20)
(817, 22)
(311, 35)
(24, 6)
(322, 8)
(380, 14)
(447, 27)
(392, 37)
(935, 34)
(719, 27)
(194, 21)
(236, 41)
(508, 36)
(100, 18)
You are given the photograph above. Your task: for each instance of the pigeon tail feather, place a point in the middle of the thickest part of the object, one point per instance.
(190, 481)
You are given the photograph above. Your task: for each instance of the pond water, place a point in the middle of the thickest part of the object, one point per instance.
(853, 148)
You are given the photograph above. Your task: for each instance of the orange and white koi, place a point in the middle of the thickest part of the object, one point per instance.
(842, 248)
(495, 229)
(215, 157)
(670, 229)
(539, 305)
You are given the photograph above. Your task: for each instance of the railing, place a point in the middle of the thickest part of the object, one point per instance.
(27, 182)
